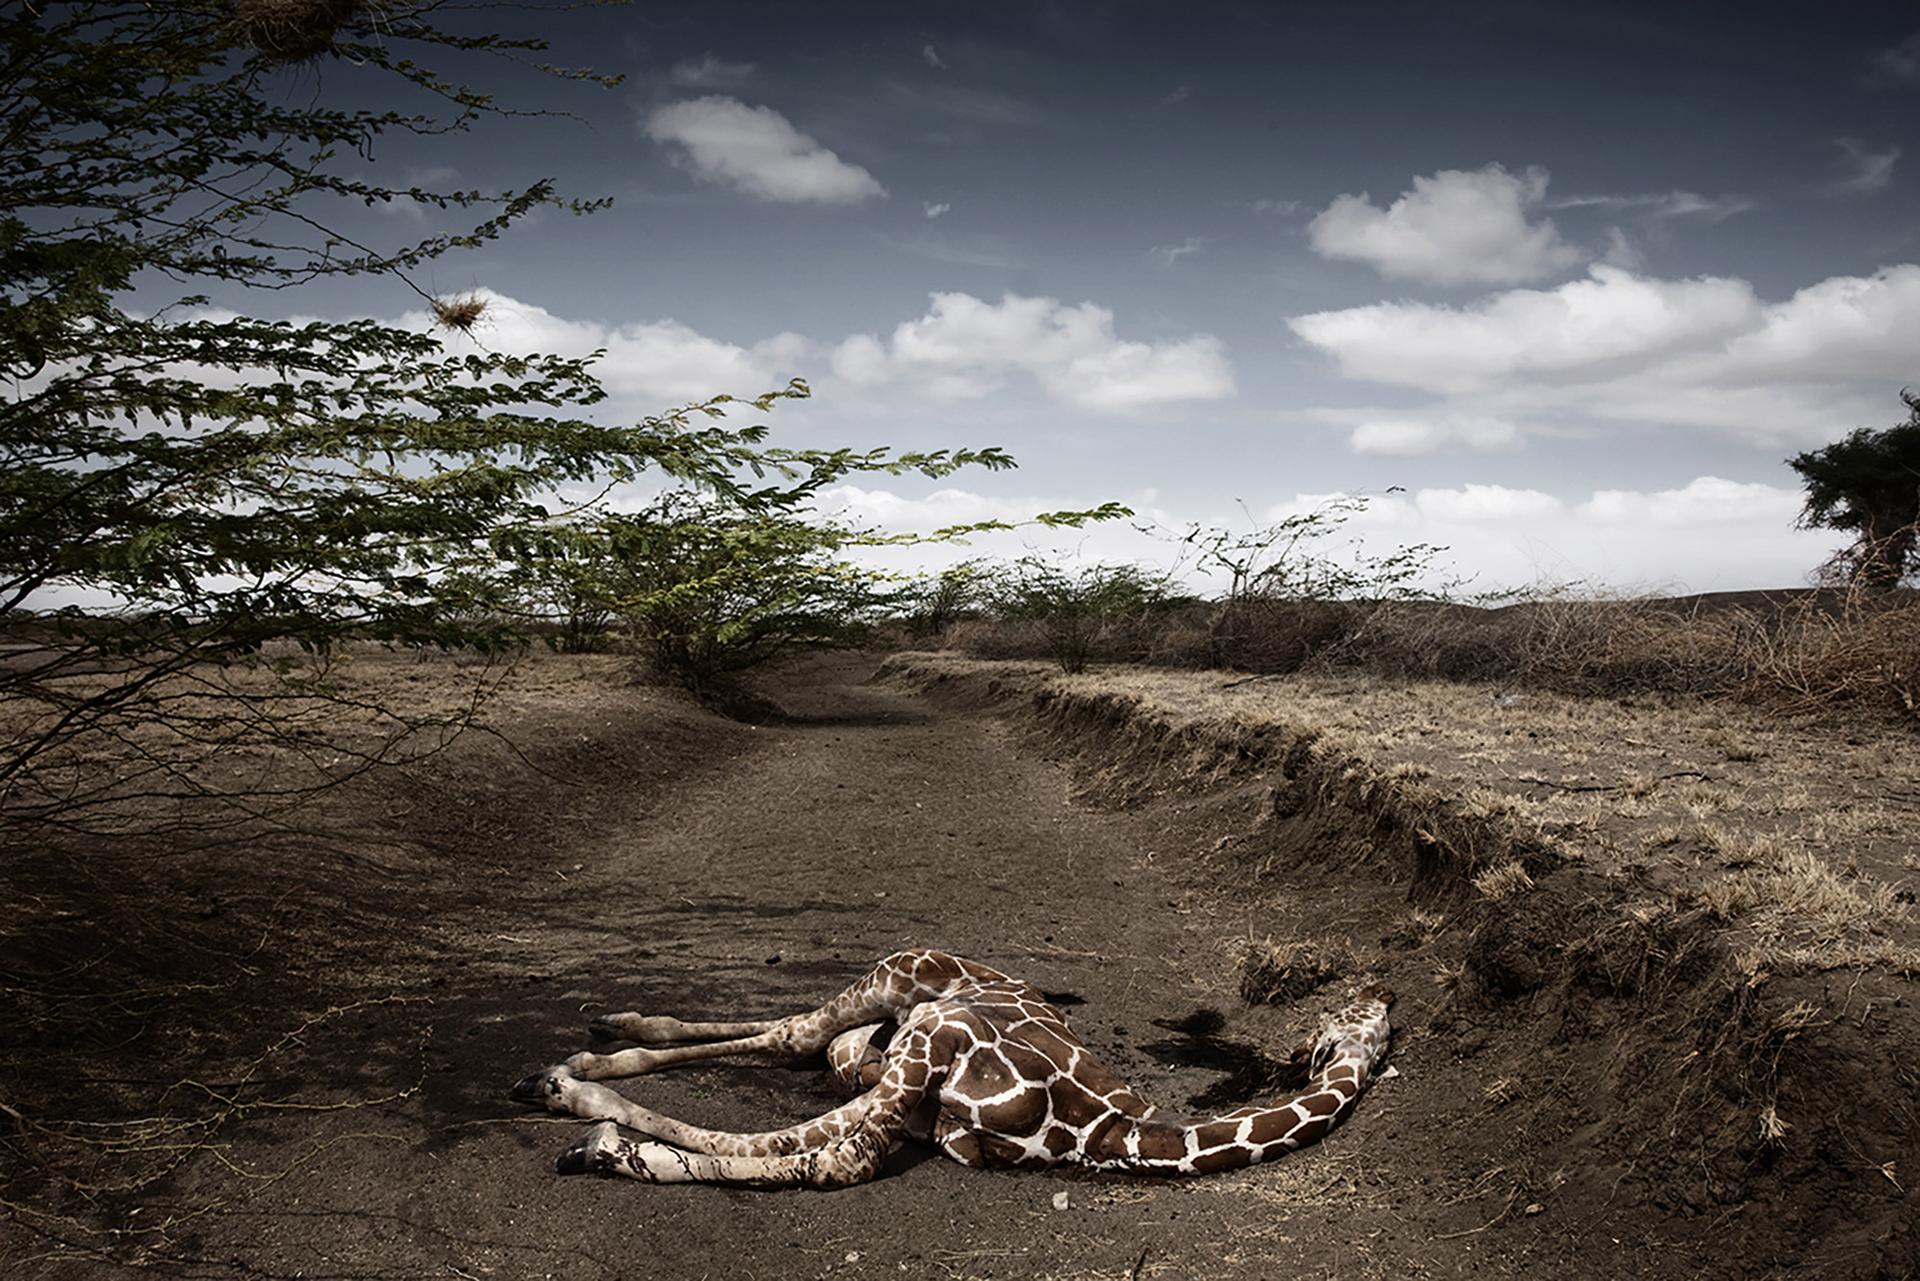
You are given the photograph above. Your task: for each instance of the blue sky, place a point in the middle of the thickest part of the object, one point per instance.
(1576, 280)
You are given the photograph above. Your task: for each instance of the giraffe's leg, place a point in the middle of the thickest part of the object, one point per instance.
(837, 1165)
(845, 1146)
(657, 1029)
(892, 987)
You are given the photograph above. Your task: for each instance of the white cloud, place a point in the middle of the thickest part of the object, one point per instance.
(1170, 254)
(1620, 347)
(964, 348)
(1176, 96)
(710, 73)
(932, 58)
(1867, 171)
(1482, 504)
(1456, 227)
(654, 364)
(1401, 434)
(1267, 205)
(1710, 534)
(934, 210)
(1706, 500)
(1572, 330)
(860, 360)
(756, 150)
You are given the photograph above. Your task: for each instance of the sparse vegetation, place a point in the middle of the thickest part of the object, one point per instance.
(1082, 613)
(1868, 483)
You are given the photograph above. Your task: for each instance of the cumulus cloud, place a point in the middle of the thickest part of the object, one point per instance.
(932, 57)
(1706, 500)
(1703, 352)
(1709, 534)
(1477, 504)
(1867, 170)
(1403, 435)
(653, 363)
(935, 209)
(965, 347)
(756, 150)
(1609, 317)
(1456, 227)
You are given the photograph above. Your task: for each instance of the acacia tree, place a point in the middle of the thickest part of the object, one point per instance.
(1868, 483)
(180, 484)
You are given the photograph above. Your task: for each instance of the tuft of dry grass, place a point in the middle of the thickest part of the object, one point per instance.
(460, 314)
(1798, 884)
(1503, 881)
(291, 30)
(1275, 973)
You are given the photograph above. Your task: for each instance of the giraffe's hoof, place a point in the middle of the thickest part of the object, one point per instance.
(588, 1156)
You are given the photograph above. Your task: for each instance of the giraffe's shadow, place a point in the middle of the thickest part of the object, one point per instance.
(1251, 1074)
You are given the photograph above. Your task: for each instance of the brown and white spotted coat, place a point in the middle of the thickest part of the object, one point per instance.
(943, 1050)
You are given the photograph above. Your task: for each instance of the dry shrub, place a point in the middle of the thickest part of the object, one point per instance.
(1276, 973)
(998, 638)
(292, 30)
(1859, 651)
(1276, 636)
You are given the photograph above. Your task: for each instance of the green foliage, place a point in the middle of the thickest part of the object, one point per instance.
(1868, 483)
(711, 588)
(1076, 609)
(937, 601)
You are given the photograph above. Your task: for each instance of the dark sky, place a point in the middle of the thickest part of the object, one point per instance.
(1577, 277)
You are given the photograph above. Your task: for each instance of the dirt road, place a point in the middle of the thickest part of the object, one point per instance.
(672, 862)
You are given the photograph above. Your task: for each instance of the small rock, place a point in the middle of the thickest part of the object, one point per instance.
(1060, 1201)
(1533, 1207)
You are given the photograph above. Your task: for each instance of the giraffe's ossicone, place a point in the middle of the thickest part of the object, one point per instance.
(947, 1051)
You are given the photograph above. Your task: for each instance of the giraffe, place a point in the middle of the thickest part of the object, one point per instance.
(941, 1050)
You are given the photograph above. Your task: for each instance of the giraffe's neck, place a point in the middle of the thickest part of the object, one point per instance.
(1343, 1061)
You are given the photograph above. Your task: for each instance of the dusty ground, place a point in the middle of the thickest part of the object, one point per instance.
(351, 999)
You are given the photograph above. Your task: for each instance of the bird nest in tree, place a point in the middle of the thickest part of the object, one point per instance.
(460, 313)
(291, 30)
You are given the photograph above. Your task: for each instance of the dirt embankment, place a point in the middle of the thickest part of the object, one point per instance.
(1659, 961)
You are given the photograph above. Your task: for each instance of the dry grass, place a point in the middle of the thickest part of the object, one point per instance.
(1809, 652)
(291, 30)
(1504, 881)
(460, 314)
(1276, 973)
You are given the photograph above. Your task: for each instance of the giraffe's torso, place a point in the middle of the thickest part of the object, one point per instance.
(1020, 1090)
